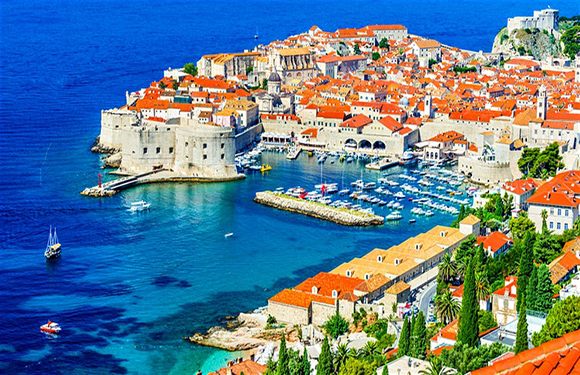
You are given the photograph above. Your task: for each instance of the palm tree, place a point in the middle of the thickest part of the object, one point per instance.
(460, 269)
(370, 349)
(482, 290)
(436, 368)
(340, 356)
(447, 267)
(446, 307)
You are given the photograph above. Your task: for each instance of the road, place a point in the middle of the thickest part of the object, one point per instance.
(426, 296)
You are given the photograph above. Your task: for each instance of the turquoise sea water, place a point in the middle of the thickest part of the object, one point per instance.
(129, 286)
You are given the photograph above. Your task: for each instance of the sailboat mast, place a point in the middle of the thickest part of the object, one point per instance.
(55, 238)
(49, 243)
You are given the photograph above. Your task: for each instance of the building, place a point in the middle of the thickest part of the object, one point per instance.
(563, 267)
(572, 289)
(441, 147)
(495, 243)
(334, 65)
(471, 225)
(247, 367)
(395, 32)
(546, 19)
(427, 50)
(315, 300)
(506, 334)
(406, 261)
(560, 356)
(560, 198)
(226, 64)
(503, 301)
(293, 64)
(520, 190)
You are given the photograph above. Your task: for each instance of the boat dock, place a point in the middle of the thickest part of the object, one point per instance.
(160, 175)
(382, 164)
(293, 153)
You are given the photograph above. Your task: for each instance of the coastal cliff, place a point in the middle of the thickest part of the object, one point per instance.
(320, 211)
(531, 42)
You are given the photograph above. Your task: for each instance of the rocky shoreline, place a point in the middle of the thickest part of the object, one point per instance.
(320, 211)
(246, 332)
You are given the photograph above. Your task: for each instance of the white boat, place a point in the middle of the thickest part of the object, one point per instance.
(429, 213)
(53, 248)
(50, 327)
(399, 195)
(140, 206)
(228, 235)
(393, 216)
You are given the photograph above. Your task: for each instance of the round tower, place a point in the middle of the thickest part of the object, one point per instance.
(274, 84)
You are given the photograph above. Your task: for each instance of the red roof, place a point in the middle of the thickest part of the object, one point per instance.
(447, 136)
(247, 367)
(331, 114)
(390, 123)
(312, 132)
(560, 356)
(559, 191)
(300, 299)
(520, 186)
(494, 241)
(326, 283)
(357, 121)
(511, 286)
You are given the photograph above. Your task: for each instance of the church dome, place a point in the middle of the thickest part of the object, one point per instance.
(274, 77)
(404, 101)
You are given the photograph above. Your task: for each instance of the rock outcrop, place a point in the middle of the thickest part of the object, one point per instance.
(320, 211)
(530, 42)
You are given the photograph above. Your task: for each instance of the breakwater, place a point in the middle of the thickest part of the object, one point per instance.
(318, 210)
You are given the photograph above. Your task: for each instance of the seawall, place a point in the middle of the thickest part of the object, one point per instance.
(317, 210)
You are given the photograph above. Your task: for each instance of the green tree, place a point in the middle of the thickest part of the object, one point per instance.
(486, 321)
(544, 290)
(325, 366)
(482, 290)
(175, 85)
(526, 268)
(481, 257)
(340, 357)
(468, 326)
(356, 49)
(283, 359)
(520, 225)
(162, 85)
(527, 160)
(436, 368)
(420, 341)
(547, 162)
(305, 364)
(546, 248)
(464, 358)
(376, 56)
(336, 326)
(270, 367)
(190, 68)
(522, 330)
(385, 370)
(563, 318)
(499, 207)
(466, 250)
(265, 84)
(446, 307)
(370, 349)
(442, 286)
(571, 41)
(544, 215)
(405, 338)
(249, 70)
(447, 268)
(357, 367)
(384, 43)
(531, 290)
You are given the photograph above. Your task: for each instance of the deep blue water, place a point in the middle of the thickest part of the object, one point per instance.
(129, 286)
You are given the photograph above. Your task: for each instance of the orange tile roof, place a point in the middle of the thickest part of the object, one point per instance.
(495, 241)
(560, 356)
(391, 124)
(247, 367)
(520, 186)
(326, 283)
(447, 136)
(357, 121)
(572, 245)
(300, 299)
(559, 191)
(511, 281)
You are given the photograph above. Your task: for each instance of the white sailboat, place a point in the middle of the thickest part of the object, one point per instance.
(53, 248)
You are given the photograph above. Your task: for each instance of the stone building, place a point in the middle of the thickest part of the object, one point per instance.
(503, 301)
(226, 64)
(293, 64)
(546, 19)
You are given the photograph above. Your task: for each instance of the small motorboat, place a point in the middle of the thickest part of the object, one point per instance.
(140, 206)
(50, 327)
(412, 221)
(228, 235)
(265, 168)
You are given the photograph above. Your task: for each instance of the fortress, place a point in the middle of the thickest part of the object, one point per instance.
(546, 19)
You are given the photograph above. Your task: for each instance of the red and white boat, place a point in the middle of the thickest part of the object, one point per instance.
(50, 327)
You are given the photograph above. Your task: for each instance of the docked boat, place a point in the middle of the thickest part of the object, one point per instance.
(140, 206)
(53, 248)
(412, 221)
(265, 168)
(399, 195)
(408, 158)
(50, 327)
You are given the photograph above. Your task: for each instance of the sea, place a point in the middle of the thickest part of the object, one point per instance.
(129, 286)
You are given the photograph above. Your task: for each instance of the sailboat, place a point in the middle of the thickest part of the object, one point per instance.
(53, 246)
(256, 35)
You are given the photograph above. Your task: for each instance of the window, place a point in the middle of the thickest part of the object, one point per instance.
(551, 225)
(144, 150)
(223, 145)
(204, 157)
(348, 273)
(314, 290)
(379, 259)
(205, 145)
(565, 226)
(158, 150)
(334, 294)
(186, 144)
(222, 156)
(397, 262)
(559, 212)
(558, 226)
(551, 211)
(171, 150)
(565, 212)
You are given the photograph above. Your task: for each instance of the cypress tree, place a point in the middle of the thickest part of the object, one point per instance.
(543, 290)
(468, 317)
(499, 208)
(305, 364)
(481, 257)
(531, 294)
(385, 370)
(404, 339)
(325, 366)
(283, 359)
(526, 267)
(522, 332)
(419, 344)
